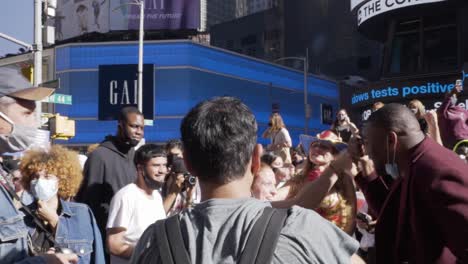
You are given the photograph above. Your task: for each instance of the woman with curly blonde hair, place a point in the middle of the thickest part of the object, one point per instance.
(53, 178)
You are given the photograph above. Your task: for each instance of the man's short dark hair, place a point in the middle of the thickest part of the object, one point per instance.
(394, 117)
(148, 151)
(173, 143)
(219, 136)
(124, 112)
(268, 158)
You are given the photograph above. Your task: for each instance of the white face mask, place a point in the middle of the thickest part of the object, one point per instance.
(44, 189)
(23, 138)
(391, 168)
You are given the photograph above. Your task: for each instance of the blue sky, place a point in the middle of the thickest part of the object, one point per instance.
(16, 20)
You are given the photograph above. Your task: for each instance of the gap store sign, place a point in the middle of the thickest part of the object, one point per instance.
(118, 88)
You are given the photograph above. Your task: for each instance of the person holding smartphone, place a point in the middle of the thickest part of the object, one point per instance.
(452, 119)
(343, 126)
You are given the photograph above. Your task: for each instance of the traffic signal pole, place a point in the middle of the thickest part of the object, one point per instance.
(37, 49)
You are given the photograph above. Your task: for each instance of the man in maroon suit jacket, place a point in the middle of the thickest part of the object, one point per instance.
(423, 213)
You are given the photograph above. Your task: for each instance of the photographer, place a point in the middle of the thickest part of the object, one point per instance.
(180, 189)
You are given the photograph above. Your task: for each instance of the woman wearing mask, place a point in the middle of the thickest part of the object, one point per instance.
(339, 206)
(53, 178)
(343, 126)
(279, 136)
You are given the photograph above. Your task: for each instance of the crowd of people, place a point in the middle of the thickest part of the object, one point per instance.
(392, 191)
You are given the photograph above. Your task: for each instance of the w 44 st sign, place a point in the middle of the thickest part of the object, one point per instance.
(59, 99)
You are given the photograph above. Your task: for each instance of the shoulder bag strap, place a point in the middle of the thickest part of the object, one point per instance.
(263, 238)
(176, 241)
(163, 242)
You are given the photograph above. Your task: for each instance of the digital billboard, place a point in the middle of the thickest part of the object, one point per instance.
(77, 17)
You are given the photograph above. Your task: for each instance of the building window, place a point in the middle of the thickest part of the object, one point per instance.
(405, 48)
(249, 40)
(424, 45)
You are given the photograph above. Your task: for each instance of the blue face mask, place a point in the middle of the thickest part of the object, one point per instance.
(44, 189)
(23, 138)
(391, 168)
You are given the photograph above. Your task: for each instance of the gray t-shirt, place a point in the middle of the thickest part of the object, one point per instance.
(217, 231)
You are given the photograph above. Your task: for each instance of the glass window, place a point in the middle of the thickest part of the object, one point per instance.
(425, 44)
(405, 54)
(440, 50)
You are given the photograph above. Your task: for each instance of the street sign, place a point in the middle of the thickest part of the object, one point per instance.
(59, 99)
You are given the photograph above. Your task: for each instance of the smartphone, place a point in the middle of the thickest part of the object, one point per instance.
(363, 217)
(459, 83)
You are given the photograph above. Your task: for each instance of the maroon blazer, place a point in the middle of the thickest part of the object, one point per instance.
(423, 216)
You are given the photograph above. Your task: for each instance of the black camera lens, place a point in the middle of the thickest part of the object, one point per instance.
(190, 180)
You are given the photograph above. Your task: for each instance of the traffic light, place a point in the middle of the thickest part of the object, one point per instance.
(48, 20)
(61, 127)
(28, 72)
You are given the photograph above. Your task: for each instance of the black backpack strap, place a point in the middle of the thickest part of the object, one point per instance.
(163, 242)
(264, 236)
(176, 241)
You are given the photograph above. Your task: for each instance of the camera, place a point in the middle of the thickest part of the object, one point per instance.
(190, 180)
(178, 167)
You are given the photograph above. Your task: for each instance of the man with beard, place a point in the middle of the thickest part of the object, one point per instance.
(423, 210)
(137, 205)
(110, 167)
(18, 132)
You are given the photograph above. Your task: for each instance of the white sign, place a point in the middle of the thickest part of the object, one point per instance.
(377, 7)
(355, 3)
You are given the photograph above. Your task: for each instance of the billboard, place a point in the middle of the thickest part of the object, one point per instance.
(377, 7)
(78, 17)
(430, 91)
(118, 88)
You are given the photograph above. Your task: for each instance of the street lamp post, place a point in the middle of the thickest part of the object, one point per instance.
(141, 4)
(305, 61)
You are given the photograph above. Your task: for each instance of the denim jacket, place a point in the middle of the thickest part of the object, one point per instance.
(13, 233)
(77, 230)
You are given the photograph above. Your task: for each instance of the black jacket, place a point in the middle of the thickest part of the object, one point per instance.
(107, 169)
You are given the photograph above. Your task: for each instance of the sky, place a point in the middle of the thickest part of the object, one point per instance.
(16, 20)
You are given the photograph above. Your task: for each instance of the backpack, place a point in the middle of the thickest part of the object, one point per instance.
(259, 248)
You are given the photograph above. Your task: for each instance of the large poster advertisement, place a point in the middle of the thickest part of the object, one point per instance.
(159, 14)
(78, 17)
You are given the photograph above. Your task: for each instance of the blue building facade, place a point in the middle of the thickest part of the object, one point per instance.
(186, 73)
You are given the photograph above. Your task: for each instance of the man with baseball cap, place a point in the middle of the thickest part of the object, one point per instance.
(18, 132)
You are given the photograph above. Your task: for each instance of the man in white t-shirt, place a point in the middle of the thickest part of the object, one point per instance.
(137, 205)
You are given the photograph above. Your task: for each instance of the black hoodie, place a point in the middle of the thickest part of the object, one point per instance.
(107, 169)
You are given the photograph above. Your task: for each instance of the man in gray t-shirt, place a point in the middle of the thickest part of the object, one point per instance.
(219, 139)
